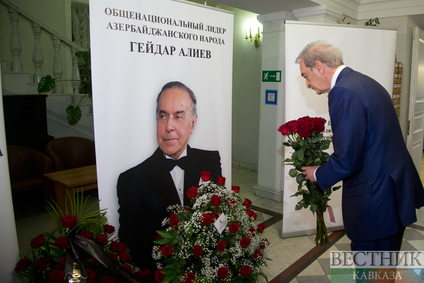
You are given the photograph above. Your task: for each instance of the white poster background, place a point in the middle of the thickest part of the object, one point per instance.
(370, 51)
(9, 255)
(169, 45)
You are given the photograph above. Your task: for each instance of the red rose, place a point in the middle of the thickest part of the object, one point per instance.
(106, 279)
(252, 232)
(221, 246)
(61, 263)
(254, 216)
(92, 260)
(236, 189)
(245, 270)
(22, 264)
(113, 256)
(41, 263)
(206, 176)
(147, 273)
(124, 256)
(159, 276)
(108, 228)
(234, 227)
(220, 181)
(216, 200)
(61, 243)
(101, 240)
(283, 130)
(261, 228)
(264, 243)
(245, 242)
(292, 126)
(247, 202)
(86, 234)
(192, 192)
(143, 273)
(222, 272)
(116, 246)
(173, 220)
(189, 277)
(305, 127)
(206, 219)
(249, 212)
(128, 267)
(166, 250)
(37, 242)
(140, 273)
(91, 275)
(68, 221)
(319, 124)
(258, 254)
(197, 251)
(56, 276)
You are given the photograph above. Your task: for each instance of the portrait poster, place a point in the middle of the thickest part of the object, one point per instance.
(136, 48)
(376, 62)
(9, 244)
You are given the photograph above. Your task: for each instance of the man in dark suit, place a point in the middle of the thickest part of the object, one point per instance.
(163, 179)
(381, 186)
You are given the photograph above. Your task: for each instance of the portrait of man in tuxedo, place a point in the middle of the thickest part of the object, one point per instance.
(381, 186)
(163, 179)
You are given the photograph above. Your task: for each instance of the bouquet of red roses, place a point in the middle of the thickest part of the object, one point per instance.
(57, 255)
(305, 136)
(216, 240)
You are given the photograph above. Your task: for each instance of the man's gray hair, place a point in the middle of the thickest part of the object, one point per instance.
(321, 51)
(181, 86)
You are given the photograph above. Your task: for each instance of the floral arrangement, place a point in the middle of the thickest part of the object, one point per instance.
(55, 255)
(216, 240)
(305, 136)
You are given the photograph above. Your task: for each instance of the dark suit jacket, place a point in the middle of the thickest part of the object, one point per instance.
(146, 190)
(381, 186)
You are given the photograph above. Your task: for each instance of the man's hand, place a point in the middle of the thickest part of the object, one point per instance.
(308, 171)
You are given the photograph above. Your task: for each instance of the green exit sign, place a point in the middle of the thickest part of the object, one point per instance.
(271, 76)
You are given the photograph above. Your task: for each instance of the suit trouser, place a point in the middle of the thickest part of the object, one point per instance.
(392, 243)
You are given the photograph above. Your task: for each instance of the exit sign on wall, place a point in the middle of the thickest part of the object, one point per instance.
(271, 76)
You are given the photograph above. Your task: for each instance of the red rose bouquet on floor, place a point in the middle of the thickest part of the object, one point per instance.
(214, 241)
(305, 136)
(56, 255)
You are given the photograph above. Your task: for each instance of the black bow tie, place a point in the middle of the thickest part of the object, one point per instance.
(171, 163)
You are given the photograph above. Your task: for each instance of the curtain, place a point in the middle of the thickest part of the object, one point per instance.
(81, 24)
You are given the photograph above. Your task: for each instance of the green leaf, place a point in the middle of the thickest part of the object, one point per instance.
(183, 216)
(46, 84)
(299, 206)
(314, 207)
(300, 178)
(317, 161)
(85, 55)
(293, 173)
(73, 114)
(300, 154)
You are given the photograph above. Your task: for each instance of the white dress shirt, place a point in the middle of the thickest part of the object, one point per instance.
(177, 175)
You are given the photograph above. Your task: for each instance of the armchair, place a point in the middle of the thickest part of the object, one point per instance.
(71, 152)
(26, 169)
